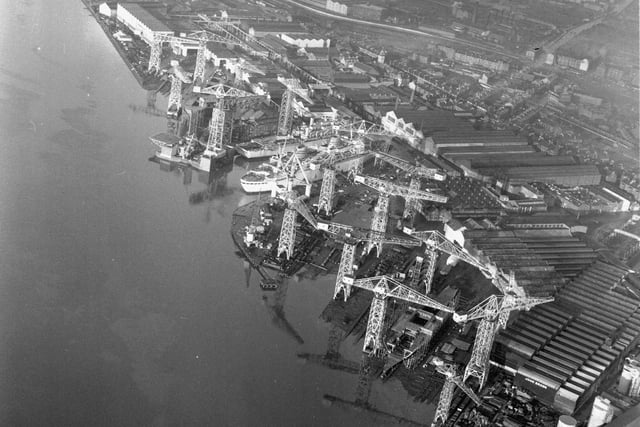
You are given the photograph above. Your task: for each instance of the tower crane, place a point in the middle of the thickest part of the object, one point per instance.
(235, 34)
(384, 287)
(360, 129)
(199, 37)
(327, 189)
(494, 311)
(387, 189)
(294, 86)
(285, 117)
(175, 96)
(415, 170)
(226, 100)
(295, 205)
(452, 379)
(436, 241)
(351, 236)
(493, 314)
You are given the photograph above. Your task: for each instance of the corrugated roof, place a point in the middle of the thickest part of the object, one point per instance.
(576, 353)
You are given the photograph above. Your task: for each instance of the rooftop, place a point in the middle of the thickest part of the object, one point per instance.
(562, 349)
(140, 12)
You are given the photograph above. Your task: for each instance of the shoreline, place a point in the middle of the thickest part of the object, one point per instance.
(140, 79)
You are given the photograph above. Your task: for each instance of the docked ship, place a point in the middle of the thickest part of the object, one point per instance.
(268, 147)
(185, 151)
(305, 165)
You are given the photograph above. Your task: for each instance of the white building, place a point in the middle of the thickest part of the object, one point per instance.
(601, 413)
(405, 130)
(106, 10)
(141, 22)
(336, 7)
(305, 40)
(630, 379)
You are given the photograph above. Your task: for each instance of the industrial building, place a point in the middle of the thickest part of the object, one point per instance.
(305, 40)
(141, 22)
(263, 28)
(562, 351)
(567, 175)
(473, 138)
(413, 125)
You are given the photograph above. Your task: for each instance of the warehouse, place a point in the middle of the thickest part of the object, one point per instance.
(141, 22)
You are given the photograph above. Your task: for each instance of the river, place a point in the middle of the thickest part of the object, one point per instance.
(122, 303)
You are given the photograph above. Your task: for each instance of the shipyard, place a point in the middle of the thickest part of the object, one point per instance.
(436, 278)
(463, 212)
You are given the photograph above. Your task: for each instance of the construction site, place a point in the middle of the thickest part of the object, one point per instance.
(432, 296)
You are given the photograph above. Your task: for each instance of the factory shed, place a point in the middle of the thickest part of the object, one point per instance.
(509, 252)
(473, 138)
(567, 175)
(563, 350)
(141, 22)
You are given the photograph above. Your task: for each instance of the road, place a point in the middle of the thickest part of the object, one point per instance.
(575, 31)
(404, 30)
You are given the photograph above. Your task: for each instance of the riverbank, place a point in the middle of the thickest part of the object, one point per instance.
(147, 83)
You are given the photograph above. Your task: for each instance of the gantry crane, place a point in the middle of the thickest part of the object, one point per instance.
(384, 287)
(493, 314)
(385, 190)
(452, 379)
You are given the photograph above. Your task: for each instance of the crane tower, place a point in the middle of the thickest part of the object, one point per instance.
(493, 314)
(287, 233)
(452, 379)
(326, 191)
(285, 118)
(175, 96)
(384, 287)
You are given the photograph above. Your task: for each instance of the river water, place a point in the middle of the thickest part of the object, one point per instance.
(122, 303)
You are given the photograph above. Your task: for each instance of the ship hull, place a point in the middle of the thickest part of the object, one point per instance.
(257, 150)
(267, 183)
